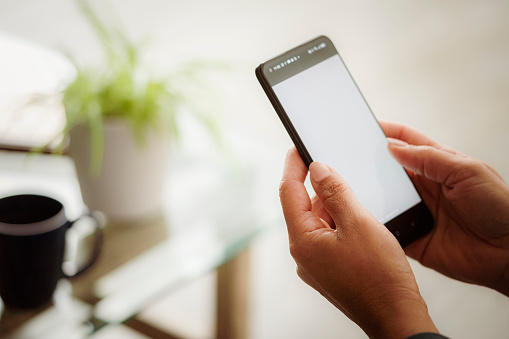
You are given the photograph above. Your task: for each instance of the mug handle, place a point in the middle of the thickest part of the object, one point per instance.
(98, 236)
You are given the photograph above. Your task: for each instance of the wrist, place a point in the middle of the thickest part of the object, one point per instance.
(400, 318)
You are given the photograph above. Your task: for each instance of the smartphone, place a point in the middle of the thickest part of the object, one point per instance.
(329, 120)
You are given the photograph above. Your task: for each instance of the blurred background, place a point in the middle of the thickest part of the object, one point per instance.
(442, 67)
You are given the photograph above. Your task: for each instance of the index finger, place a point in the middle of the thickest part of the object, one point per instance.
(406, 133)
(411, 135)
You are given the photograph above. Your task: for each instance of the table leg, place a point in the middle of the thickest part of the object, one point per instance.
(232, 298)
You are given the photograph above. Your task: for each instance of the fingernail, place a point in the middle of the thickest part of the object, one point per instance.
(318, 171)
(396, 142)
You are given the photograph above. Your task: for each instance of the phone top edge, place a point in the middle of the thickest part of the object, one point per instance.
(298, 59)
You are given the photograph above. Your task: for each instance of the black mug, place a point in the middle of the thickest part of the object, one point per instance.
(32, 245)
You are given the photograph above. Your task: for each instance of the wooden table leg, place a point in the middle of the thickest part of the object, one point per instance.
(232, 298)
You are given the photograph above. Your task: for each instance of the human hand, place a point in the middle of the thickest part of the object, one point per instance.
(469, 202)
(343, 252)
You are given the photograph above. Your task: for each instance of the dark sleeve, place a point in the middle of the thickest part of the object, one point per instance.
(427, 336)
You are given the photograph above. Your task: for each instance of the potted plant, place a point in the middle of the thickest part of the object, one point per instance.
(120, 121)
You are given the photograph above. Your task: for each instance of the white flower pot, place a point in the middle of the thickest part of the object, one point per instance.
(131, 179)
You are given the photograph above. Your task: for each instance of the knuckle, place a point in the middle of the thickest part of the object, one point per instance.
(282, 187)
(470, 167)
(426, 152)
(478, 166)
(333, 190)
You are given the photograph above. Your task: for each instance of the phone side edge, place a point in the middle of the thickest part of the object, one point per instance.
(283, 116)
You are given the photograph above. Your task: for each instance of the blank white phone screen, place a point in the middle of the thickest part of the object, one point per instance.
(337, 127)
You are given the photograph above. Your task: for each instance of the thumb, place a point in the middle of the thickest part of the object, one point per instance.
(335, 194)
(436, 164)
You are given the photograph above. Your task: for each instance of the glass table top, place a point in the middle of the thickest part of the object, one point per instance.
(215, 203)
